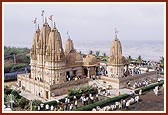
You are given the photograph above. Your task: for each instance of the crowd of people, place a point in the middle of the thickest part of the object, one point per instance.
(70, 78)
(123, 104)
(119, 105)
(69, 105)
(138, 84)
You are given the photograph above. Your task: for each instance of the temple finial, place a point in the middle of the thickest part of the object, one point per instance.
(68, 34)
(38, 27)
(116, 31)
(45, 20)
(54, 25)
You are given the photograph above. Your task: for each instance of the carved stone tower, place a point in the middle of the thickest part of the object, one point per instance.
(69, 46)
(55, 59)
(116, 62)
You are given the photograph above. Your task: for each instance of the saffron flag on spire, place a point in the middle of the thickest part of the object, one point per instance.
(42, 14)
(34, 21)
(50, 18)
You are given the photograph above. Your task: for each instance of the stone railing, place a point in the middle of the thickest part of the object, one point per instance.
(70, 83)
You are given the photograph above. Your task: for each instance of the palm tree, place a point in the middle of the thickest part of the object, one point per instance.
(129, 59)
(104, 54)
(10, 99)
(139, 59)
(90, 52)
(97, 53)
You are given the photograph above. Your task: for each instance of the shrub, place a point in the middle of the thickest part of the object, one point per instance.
(8, 91)
(15, 93)
(83, 90)
(22, 102)
(36, 102)
(147, 88)
(102, 103)
(54, 103)
(34, 108)
(152, 86)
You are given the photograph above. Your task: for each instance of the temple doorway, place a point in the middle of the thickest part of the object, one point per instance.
(85, 71)
(47, 94)
(67, 75)
(19, 83)
(74, 72)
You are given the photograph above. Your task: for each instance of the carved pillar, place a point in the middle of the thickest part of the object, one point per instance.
(88, 68)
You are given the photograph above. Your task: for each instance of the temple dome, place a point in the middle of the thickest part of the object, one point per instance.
(90, 60)
(73, 58)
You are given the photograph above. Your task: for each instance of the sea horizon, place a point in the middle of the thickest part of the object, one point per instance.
(148, 49)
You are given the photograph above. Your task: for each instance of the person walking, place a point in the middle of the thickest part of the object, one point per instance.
(71, 107)
(127, 105)
(140, 92)
(97, 97)
(84, 101)
(76, 104)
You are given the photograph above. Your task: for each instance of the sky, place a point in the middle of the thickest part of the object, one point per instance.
(85, 22)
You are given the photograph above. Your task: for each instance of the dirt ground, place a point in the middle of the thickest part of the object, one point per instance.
(149, 102)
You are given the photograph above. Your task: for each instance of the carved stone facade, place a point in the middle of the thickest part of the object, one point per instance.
(116, 61)
(52, 69)
(117, 64)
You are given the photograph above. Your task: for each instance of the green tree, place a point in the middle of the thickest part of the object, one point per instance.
(162, 62)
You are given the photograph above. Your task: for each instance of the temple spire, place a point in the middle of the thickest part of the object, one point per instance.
(68, 35)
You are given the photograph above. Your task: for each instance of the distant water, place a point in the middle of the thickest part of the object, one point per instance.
(149, 50)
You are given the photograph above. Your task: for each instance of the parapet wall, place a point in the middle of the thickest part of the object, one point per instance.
(122, 81)
(149, 76)
(69, 83)
(61, 89)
